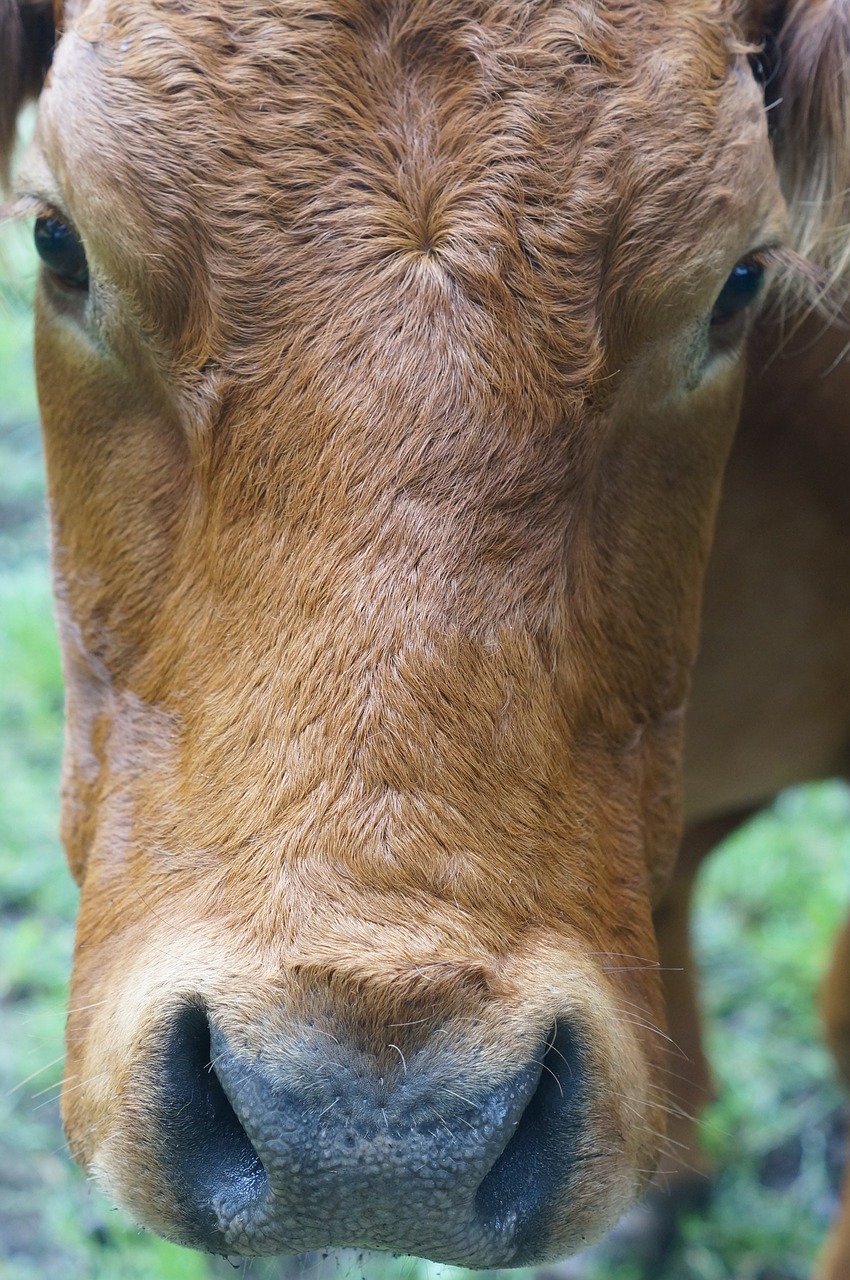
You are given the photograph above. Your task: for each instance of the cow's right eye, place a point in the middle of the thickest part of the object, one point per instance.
(739, 292)
(61, 251)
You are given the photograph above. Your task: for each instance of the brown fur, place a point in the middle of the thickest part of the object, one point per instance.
(383, 465)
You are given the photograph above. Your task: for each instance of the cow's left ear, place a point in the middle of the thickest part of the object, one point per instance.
(809, 90)
(27, 36)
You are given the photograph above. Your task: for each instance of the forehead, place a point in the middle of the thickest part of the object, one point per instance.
(376, 89)
(456, 141)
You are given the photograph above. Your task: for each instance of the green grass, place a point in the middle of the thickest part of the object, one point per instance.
(769, 903)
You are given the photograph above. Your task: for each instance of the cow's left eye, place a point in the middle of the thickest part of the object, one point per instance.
(61, 251)
(739, 292)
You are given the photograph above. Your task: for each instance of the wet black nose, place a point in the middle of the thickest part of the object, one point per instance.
(317, 1149)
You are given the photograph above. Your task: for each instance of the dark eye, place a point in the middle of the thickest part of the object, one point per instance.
(739, 291)
(61, 251)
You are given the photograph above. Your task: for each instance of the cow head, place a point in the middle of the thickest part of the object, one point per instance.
(389, 353)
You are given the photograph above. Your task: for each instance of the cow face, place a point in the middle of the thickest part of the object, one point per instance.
(389, 355)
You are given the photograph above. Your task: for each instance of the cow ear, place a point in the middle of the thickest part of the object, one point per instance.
(810, 93)
(27, 36)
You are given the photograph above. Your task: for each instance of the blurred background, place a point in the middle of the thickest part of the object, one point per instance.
(769, 903)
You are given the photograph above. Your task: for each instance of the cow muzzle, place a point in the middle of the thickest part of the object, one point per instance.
(335, 1151)
(500, 1133)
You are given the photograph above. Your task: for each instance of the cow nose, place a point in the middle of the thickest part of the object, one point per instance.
(313, 1150)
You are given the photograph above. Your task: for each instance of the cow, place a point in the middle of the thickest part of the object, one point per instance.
(390, 355)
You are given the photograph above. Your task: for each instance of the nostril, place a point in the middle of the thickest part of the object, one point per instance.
(531, 1171)
(207, 1155)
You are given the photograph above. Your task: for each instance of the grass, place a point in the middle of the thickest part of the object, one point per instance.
(769, 902)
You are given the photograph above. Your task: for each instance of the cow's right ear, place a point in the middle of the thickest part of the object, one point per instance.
(27, 36)
(808, 95)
